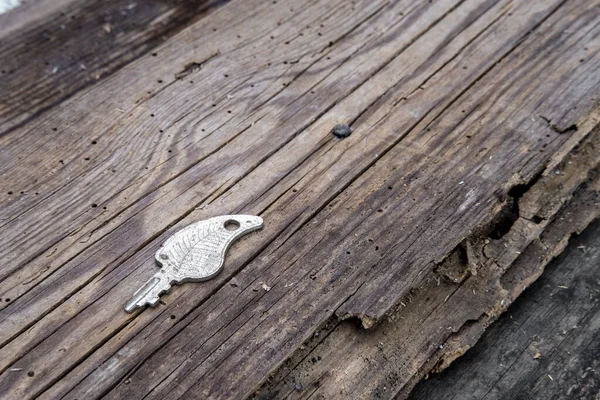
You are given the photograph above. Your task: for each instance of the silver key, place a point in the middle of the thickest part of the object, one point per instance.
(195, 253)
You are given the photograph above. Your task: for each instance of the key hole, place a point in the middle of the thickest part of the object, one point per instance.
(231, 225)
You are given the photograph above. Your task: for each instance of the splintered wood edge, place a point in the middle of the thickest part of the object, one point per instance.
(580, 212)
(571, 209)
(541, 197)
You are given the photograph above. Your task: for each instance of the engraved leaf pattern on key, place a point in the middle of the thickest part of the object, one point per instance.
(197, 252)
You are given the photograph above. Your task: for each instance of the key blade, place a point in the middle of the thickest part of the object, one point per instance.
(148, 294)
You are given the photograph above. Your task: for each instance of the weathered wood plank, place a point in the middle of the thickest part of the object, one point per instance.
(260, 327)
(118, 241)
(438, 321)
(546, 346)
(255, 179)
(70, 46)
(291, 178)
(175, 150)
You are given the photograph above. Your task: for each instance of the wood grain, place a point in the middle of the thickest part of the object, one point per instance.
(439, 320)
(62, 47)
(455, 117)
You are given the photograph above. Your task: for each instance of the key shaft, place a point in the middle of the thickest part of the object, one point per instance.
(149, 294)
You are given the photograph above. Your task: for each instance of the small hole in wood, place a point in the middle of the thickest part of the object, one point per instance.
(94, 205)
(536, 219)
(173, 317)
(30, 374)
(231, 225)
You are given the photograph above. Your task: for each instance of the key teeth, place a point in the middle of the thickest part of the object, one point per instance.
(134, 304)
(145, 296)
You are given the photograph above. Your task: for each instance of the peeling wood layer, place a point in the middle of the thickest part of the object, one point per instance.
(546, 345)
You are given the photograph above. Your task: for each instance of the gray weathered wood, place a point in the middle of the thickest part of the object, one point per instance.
(453, 106)
(545, 346)
(62, 47)
(438, 321)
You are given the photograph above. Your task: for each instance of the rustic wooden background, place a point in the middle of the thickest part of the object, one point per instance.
(473, 158)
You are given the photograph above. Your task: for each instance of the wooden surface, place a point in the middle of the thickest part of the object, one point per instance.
(436, 323)
(475, 127)
(546, 346)
(77, 44)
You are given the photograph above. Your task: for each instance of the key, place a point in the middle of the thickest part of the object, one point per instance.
(194, 254)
